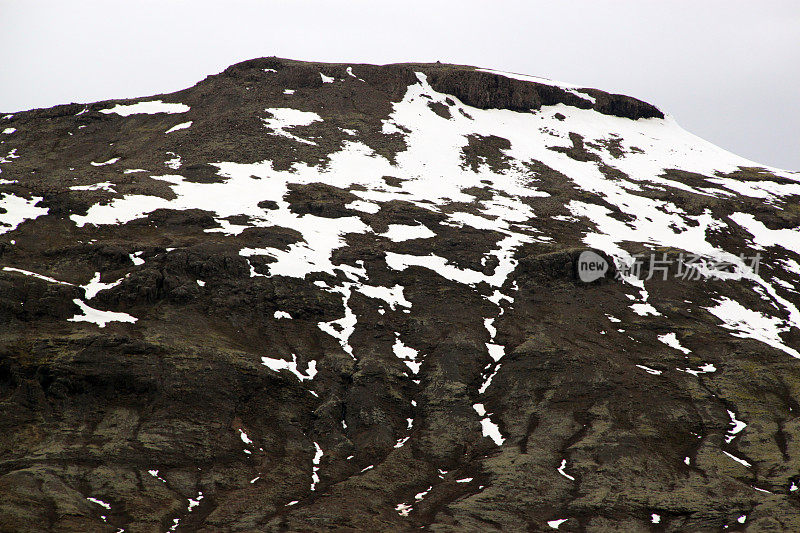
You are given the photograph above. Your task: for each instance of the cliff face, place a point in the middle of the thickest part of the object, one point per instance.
(303, 296)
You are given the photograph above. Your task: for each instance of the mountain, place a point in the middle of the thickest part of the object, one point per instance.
(306, 296)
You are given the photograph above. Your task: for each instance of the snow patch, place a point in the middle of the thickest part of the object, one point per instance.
(737, 459)
(671, 339)
(562, 471)
(315, 468)
(174, 163)
(407, 355)
(749, 324)
(18, 210)
(366, 207)
(738, 426)
(402, 232)
(178, 127)
(104, 163)
(786, 238)
(649, 370)
(95, 285)
(101, 318)
(490, 429)
(149, 108)
(284, 117)
(392, 296)
(281, 364)
(104, 186)
(101, 503)
(350, 73)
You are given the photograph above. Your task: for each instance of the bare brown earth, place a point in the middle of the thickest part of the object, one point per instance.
(87, 412)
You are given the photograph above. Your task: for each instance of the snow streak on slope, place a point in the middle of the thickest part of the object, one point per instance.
(178, 127)
(149, 108)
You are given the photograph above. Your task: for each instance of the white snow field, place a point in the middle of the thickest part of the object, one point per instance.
(435, 176)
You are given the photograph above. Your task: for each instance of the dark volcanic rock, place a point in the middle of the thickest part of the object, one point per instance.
(319, 199)
(350, 298)
(486, 90)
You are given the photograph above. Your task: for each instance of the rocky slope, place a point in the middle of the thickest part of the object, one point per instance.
(303, 297)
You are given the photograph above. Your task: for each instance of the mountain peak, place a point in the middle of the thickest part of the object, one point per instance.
(476, 87)
(310, 295)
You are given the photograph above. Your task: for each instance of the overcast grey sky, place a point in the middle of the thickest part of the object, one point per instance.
(729, 70)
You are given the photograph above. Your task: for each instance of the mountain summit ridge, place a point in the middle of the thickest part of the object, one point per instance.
(309, 296)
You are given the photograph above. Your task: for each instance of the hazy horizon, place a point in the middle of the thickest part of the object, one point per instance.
(727, 71)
